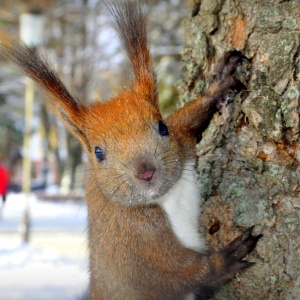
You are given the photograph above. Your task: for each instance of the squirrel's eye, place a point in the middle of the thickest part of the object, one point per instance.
(163, 129)
(99, 153)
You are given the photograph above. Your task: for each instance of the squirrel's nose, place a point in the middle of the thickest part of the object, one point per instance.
(145, 170)
(146, 175)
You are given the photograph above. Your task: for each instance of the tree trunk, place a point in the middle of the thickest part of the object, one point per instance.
(249, 156)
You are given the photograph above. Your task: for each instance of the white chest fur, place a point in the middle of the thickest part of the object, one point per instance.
(182, 205)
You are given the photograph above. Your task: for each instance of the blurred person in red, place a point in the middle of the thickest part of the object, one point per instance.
(4, 181)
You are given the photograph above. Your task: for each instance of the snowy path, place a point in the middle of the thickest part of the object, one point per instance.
(54, 264)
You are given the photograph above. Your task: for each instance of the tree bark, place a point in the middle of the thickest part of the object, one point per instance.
(249, 155)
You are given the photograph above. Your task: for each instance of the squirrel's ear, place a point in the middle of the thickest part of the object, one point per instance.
(131, 26)
(63, 103)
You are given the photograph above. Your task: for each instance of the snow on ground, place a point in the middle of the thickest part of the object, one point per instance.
(44, 215)
(36, 271)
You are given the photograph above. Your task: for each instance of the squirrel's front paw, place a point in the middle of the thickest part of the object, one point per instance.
(234, 253)
(227, 65)
(224, 76)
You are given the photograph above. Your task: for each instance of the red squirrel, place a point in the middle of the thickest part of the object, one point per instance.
(142, 194)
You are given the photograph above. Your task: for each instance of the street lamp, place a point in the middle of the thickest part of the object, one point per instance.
(31, 34)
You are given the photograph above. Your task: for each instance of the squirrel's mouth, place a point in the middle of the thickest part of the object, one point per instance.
(144, 197)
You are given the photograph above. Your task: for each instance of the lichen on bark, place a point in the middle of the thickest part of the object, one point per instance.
(249, 155)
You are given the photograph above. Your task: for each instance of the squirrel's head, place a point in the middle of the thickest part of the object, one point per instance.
(135, 157)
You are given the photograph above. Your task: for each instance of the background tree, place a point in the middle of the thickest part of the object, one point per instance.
(249, 156)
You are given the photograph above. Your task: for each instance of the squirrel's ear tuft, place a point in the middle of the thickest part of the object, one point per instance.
(65, 106)
(130, 23)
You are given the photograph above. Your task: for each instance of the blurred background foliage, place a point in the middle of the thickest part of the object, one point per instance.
(81, 45)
